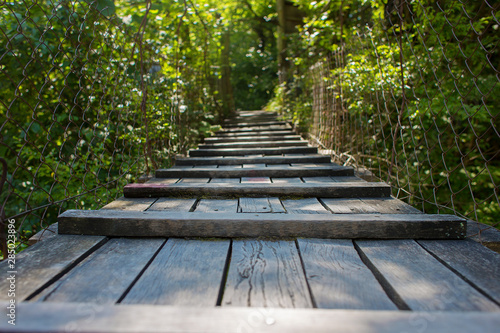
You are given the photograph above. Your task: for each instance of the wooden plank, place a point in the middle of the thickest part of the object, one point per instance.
(44, 234)
(332, 190)
(254, 124)
(217, 206)
(474, 262)
(252, 160)
(179, 224)
(130, 203)
(487, 235)
(194, 180)
(224, 171)
(43, 263)
(227, 167)
(264, 130)
(287, 180)
(162, 181)
(254, 166)
(390, 206)
(258, 144)
(250, 151)
(260, 205)
(304, 206)
(318, 180)
(224, 180)
(173, 205)
(347, 179)
(348, 206)
(184, 273)
(275, 132)
(64, 317)
(416, 280)
(337, 277)
(252, 138)
(106, 274)
(266, 273)
(255, 180)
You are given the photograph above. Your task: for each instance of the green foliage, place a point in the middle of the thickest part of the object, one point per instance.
(410, 92)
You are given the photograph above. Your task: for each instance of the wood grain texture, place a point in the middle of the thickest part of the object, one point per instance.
(178, 224)
(390, 206)
(64, 317)
(184, 273)
(419, 280)
(267, 274)
(348, 206)
(287, 180)
(337, 277)
(304, 206)
(44, 234)
(106, 274)
(193, 180)
(225, 180)
(272, 171)
(42, 263)
(476, 263)
(130, 203)
(217, 206)
(251, 160)
(263, 138)
(255, 180)
(173, 205)
(275, 132)
(260, 205)
(332, 190)
(250, 151)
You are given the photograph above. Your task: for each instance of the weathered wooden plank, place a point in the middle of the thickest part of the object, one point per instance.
(173, 205)
(227, 167)
(178, 224)
(254, 124)
(487, 235)
(287, 180)
(261, 144)
(266, 273)
(184, 273)
(251, 160)
(224, 180)
(260, 205)
(193, 180)
(390, 206)
(44, 234)
(318, 180)
(252, 138)
(337, 277)
(130, 203)
(254, 166)
(304, 206)
(162, 181)
(217, 206)
(348, 206)
(106, 274)
(329, 190)
(255, 180)
(418, 281)
(347, 179)
(249, 151)
(265, 130)
(61, 317)
(271, 171)
(268, 132)
(472, 261)
(41, 264)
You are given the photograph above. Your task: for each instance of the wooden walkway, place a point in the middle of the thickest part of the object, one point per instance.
(255, 232)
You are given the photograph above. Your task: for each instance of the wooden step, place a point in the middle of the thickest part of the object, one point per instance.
(257, 130)
(321, 190)
(255, 144)
(218, 139)
(174, 224)
(253, 151)
(313, 158)
(255, 133)
(254, 124)
(256, 172)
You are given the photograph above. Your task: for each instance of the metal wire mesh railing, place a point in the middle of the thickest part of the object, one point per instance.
(84, 109)
(413, 96)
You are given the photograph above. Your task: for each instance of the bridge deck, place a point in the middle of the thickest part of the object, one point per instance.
(282, 242)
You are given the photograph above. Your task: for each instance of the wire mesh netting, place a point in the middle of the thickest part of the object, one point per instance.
(84, 106)
(413, 96)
